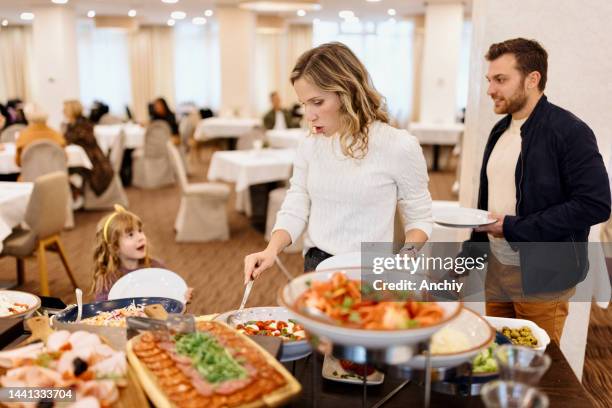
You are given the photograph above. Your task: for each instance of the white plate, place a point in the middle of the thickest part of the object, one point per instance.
(461, 217)
(292, 350)
(149, 282)
(540, 334)
(25, 298)
(475, 328)
(374, 339)
(331, 365)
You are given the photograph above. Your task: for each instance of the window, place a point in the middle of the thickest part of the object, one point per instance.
(197, 65)
(385, 48)
(104, 72)
(464, 67)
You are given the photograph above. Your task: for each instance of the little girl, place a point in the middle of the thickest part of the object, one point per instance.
(121, 247)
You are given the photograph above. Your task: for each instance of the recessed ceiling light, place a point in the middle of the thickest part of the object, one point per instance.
(132, 13)
(279, 6)
(4, 22)
(208, 13)
(91, 14)
(171, 22)
(301, 13)
(59, 1)
(346, 14)
(391, 12)
(178, 15)
(170, 1)
(373, 1)
(27, 16)
(199, 20)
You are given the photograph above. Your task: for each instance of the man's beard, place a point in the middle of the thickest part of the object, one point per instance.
(517, 101)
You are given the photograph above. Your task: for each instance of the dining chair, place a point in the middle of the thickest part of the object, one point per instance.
(9, 135)
(45, 217)
(275, 200)
(152, 167)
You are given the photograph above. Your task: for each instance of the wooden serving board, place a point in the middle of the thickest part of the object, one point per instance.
(280, 396)
(130, 396)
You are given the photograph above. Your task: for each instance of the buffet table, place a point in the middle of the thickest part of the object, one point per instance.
(559, 383)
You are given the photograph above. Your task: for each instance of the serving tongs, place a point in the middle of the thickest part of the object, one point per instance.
(174, 323)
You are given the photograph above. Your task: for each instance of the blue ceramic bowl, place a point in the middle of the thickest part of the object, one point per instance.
(92, 309)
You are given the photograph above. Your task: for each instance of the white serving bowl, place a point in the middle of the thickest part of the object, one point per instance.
(540, 334)
(25, 298)
(149, 282)
(478, 332)
(347, 336)
(291, 350)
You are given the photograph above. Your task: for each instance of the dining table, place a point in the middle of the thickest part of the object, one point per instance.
(286, 138)
(75, 157)
(437, 134)
(14, 199)
(106, 135)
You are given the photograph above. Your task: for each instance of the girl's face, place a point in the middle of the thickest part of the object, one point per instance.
(321, 108)
(133, 245)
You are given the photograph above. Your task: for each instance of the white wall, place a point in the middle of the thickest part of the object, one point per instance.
(442, 45)
(576, 36)
(56, 71)
(237, 48)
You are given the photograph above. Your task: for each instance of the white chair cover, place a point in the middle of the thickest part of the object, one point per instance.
(9, 135)
(202, 214)
(275, 200)
(152, 168)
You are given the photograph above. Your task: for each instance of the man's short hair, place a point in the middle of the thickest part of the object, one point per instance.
(530, 56)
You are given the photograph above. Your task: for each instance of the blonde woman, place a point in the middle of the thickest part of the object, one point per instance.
(351, 172)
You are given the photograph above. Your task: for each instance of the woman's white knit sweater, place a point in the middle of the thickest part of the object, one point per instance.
(347, 201)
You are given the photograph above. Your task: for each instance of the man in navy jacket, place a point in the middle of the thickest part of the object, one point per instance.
(544, 181)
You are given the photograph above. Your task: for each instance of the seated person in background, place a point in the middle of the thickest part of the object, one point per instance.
(121, 247)
(36, 130)
(2, 117)
(79, 131)
(278, 118)
(15, 115)
(159, 110)
(98, 109)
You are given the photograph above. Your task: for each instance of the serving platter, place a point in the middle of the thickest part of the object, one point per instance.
(462, 217)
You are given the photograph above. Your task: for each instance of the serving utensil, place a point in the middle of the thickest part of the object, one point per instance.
(232, 319)
(175, 323)
(79, 299)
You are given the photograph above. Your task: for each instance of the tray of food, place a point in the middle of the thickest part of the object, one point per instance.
(344, 318)
(214, 366)
(273, 322)
(17, 304)
(78, 362)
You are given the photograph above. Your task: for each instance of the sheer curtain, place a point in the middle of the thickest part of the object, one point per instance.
(151, 51)
(197, 64)
(464, 66)
(104, 72)
(15, 63)
(299, 40)
(386, 50)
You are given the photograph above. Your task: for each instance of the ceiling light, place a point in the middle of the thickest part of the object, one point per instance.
(59, 1)
(170, 1)
(4, 22)
(199, 20)
(132, 13)
(178, 15)
(301, 13)
(91, 14)
(208, 13)
(171, 22)
(280, 6)
(346, 14)
(372, 1)
(27, 16)
(391, 12)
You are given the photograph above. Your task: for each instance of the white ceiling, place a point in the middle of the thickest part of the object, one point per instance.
(156, 12)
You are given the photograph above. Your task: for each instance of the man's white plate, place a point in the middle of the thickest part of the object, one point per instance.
(332, 370)
(461, 217)
(149, 282)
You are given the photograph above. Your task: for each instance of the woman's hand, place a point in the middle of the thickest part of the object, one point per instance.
(255, 264)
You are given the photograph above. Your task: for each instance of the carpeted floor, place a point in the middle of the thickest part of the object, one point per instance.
(215, 269)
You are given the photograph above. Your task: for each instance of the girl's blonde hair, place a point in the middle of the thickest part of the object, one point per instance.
(106, 253)
(334, 68)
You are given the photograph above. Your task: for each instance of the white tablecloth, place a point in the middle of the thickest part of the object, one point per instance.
(224, 127)
(106, 135)
(437, 134)
(75, 154)
(287, 138)
(14, 198)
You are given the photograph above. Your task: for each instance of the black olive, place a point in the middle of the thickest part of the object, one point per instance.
(44, 404)
(80, 366)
